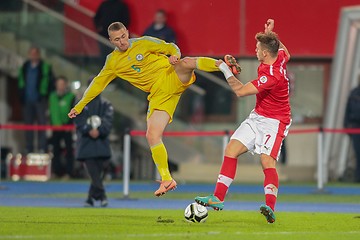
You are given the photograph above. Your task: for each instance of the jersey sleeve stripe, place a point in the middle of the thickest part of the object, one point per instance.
(271, 70)
(155, 40)
(152, 39)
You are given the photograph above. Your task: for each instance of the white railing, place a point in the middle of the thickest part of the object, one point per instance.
(321, 166)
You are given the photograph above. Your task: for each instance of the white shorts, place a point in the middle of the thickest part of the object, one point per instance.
(262, 135)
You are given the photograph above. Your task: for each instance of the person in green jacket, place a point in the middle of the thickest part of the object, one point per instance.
(60, 102)
(35, 82)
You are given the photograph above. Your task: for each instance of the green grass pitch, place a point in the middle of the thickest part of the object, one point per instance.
(97, 223)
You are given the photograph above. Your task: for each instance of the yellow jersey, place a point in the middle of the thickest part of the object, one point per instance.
(140, 65)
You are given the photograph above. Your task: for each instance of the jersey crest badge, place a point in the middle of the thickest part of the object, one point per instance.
(139, 57)
(263, 79)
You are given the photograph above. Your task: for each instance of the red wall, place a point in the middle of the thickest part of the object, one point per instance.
(307, 28)
(200, 25)
(205, 27)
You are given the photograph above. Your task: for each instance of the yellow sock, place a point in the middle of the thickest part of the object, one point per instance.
(160, 157)
(206, 64)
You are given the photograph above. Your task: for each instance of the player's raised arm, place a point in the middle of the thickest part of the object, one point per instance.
(170, 49)
(269, 26)
(285, 49)
(241, 89)
(160, 46)
(235, 84)
(97, 85)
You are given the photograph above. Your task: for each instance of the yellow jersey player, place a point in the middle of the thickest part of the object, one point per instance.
(153, 66)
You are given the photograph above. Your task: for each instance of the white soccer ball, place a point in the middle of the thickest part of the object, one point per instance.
(196, 213)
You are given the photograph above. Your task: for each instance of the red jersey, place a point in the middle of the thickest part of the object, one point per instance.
(272, 101)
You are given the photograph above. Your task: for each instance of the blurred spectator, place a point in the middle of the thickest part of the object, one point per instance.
(93, 128)
(108, 12)
(160, 29)
(60, 102)
(352, 120)
(35, 81)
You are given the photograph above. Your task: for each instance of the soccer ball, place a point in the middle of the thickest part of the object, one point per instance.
(195, 213)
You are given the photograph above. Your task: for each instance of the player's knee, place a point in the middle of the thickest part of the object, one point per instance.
(229, 152)
(235, 148)
(152, 137)
(267, 161)
(148, 135)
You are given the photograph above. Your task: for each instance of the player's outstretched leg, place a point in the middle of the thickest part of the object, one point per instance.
(232, 63)
(165, 186)
(268, 213)
(210, 201)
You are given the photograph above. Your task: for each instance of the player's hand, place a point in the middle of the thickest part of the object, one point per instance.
(269, 25)
(72, 113)
(218, 62)
(173, 59)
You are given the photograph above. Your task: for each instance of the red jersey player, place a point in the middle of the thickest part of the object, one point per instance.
(267, 125)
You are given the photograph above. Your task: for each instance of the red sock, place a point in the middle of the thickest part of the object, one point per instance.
(271, 185)
(226, 176)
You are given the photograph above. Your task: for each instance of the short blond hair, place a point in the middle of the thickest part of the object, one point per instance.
(116, 26)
